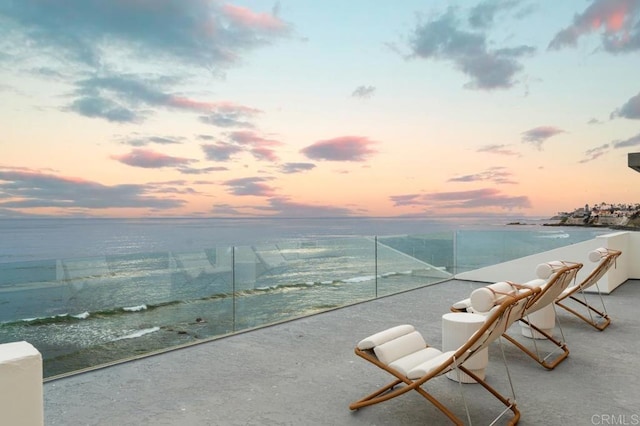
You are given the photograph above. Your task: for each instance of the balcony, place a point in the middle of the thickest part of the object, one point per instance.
(303, 371)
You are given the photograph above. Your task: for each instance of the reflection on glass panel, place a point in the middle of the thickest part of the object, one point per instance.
(477, 249)
(410, 261)
(88, 311)
(302, 277)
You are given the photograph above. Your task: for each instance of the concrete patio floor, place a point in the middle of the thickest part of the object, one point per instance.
(304, 372)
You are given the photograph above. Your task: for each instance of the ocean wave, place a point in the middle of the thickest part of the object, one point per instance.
(135, 308)
(138, 333)
(141, 308)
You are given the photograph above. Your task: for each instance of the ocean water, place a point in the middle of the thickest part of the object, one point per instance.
(88, 292)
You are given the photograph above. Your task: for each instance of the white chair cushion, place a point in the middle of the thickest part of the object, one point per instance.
(385, 336)
(407, 363)
(399, 347)
(484, 298)
(545, 270)
(430, 365)
(538, 282)
(598, 254)
(463, 304)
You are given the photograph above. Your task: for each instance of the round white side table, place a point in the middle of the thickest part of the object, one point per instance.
(544, 319)
(456, 330)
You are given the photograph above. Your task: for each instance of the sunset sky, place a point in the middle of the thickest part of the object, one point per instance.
(297, 108)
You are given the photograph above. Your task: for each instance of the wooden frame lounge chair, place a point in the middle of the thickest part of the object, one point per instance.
(607, 258)
(402, 352)
(559, 276)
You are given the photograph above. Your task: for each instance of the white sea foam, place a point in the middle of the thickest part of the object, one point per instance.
(83, 315)
(135, 308)
(554, 235)
(139, 333)
(360, 279)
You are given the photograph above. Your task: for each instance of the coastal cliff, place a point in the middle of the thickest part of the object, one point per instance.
(629, 223)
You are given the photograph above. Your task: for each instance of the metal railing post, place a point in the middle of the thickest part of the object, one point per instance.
(233, 288)
(375, 255)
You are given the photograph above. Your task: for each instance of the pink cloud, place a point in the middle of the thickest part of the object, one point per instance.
(344, 148)
(223, 106)
(498, 149)
(255, 186)
(615, 17)
(150, 159)
(245, 17)
(538, 135)
(261, 148)
(247, 137)
(472, 200)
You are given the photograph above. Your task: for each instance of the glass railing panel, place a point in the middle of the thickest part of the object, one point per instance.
(84, 312)
(288, 279)
(479, 248)
(405, 262)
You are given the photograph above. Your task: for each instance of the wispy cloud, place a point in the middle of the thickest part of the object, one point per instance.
(406, 199)
(138, 141)
(203, 171)
(595, 153)
(446, 39)
(498, 149)
(283, 206)
(240, 141)
(631, 109)
(206, 33)
(220, 151)
(464, 200)
(260, 147)
(499, 175)
(363, 92)
(95, 45)
(255, 186)
(149, 159)
(127, 98)
(484, 13)
(617, 20)
(344, 148)
(538, 135)
(31, 189)
(633, 141)
(227, 114)
(289, 168)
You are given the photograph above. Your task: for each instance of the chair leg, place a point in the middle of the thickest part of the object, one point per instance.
(604, 323)
(388, 392)
(542, 361)
(511, 405)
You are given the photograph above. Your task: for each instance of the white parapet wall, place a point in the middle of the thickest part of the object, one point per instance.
(523, 269)
(21, 397)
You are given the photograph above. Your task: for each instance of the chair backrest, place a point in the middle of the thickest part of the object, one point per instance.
(607, 258)
(564, 274)
(500, 318)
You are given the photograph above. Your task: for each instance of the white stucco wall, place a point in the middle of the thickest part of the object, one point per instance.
(21, 397)
(523, 269)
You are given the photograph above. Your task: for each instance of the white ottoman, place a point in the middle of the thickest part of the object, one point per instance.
(544, 319)
(456, 330)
